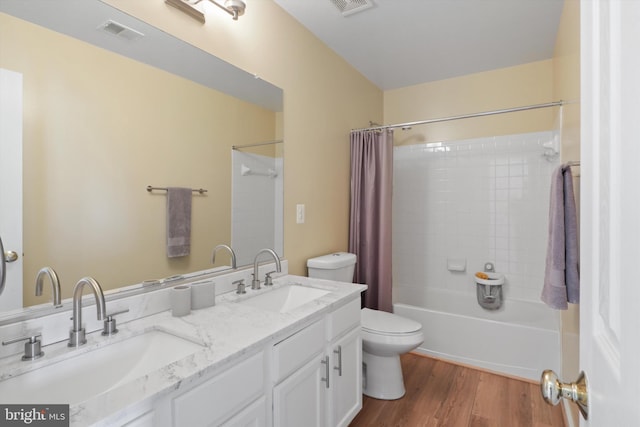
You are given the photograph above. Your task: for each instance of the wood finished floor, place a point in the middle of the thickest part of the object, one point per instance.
(448, 395)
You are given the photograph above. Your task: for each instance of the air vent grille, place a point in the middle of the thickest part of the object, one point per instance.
(119, 30)
(349, 7)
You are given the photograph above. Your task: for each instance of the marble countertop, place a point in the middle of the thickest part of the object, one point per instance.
(227, 331)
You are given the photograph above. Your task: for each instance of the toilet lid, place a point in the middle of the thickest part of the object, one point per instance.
(382, 322)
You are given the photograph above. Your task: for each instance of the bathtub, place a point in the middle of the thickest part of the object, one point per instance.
(520, 339)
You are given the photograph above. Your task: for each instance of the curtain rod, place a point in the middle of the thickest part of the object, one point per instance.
(240, 147)
(464, 116)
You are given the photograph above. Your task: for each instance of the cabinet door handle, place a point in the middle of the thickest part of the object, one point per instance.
(3, 268)
(325, 362)
(339, 367)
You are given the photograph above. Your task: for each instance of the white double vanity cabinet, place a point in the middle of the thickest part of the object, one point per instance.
(285, 355)
(310, 377)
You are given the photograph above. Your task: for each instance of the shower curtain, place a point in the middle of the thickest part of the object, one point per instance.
(370, 216)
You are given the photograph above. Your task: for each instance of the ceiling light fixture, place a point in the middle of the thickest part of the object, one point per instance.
(235, 8)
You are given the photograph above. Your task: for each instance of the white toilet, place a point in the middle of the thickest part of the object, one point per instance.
(385, 336)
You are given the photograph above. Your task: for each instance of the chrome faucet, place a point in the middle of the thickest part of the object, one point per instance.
(233, 255)
(55, 284)
(77, 334)
(255, 283)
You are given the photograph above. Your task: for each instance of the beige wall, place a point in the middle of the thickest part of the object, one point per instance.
(492, 90)
(324, 97)
(92, 143)
(566, 82)
(566, 71)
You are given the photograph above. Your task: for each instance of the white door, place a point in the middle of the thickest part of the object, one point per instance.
(610, 211)
(11, 184)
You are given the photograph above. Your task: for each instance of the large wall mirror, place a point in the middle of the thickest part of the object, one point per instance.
(112, 105)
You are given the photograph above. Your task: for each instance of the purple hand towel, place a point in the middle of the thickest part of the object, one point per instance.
(178, 221)
(562, 270)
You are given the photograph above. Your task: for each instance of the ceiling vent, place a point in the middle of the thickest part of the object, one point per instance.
(120, 30)
(349, 7)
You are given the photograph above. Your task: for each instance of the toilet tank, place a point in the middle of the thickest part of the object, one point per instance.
(338, 266)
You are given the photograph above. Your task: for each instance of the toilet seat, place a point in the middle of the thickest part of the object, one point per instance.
(383, 323)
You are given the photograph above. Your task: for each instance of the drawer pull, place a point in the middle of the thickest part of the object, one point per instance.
(339, 367)
(325, 362)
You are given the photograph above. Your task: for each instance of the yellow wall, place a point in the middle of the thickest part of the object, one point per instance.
(92, 143)
(324, 98)
(492, 90)
(566, 71)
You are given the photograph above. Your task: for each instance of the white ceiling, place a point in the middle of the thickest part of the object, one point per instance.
(398, 43)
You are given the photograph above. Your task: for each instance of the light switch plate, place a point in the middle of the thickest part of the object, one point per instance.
(299, 214)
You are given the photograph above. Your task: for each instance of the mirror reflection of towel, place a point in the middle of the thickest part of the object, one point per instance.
(562, 271)
(178, 221)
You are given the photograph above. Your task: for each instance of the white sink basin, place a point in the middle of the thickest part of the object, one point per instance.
(284, 299)
(88, 374)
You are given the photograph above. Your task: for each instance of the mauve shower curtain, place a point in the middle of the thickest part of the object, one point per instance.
(370, 219)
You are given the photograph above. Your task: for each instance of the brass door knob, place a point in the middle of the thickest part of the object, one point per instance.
(553, 390)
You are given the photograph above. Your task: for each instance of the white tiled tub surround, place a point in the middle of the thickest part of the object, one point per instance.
(228, 330)
(482, 200)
